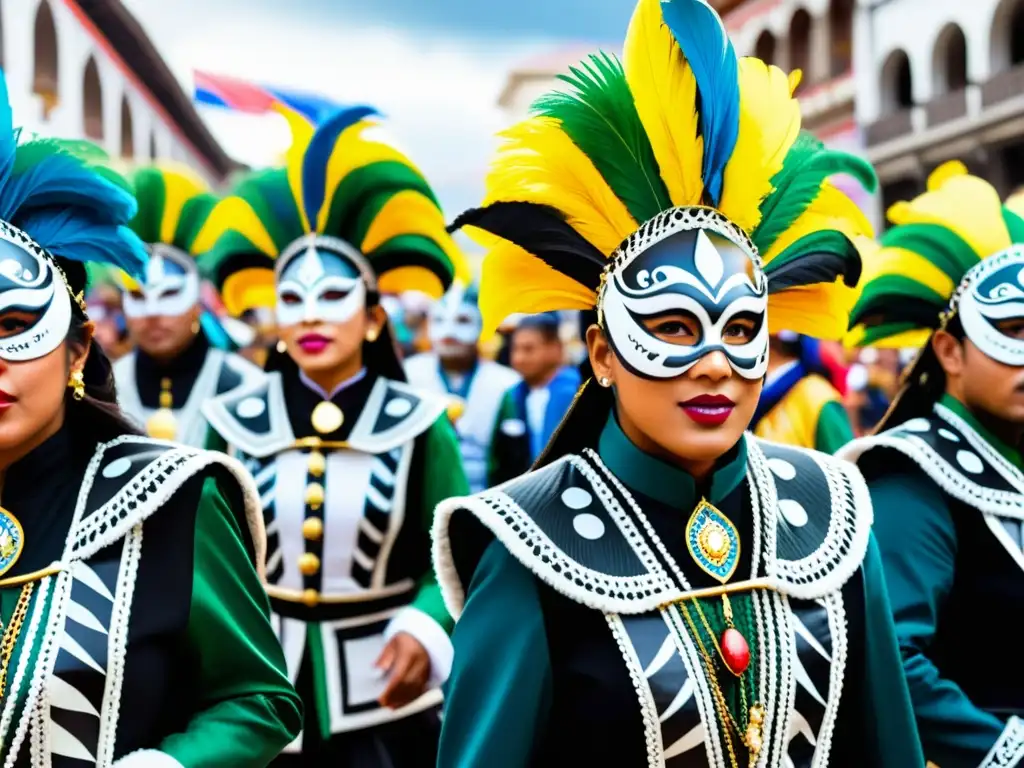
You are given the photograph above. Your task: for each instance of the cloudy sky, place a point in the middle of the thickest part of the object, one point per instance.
(434, 67)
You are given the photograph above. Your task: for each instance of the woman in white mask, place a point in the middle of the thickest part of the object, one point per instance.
(350, 460)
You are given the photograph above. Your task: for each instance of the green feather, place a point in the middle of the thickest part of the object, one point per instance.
(193, 215)
(412, 250)
(806, 167)
(896, 298)
(600, 117)
(232, 253)
(270, 196)
(150, 193)
(1015, 224)
(360, 196)
(877, 333)
(941, 246)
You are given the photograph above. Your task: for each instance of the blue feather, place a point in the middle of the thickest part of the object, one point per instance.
(62, 180)
(67, 234)
(318, 153)
(700, 34)
(8, 136)
(215, 332)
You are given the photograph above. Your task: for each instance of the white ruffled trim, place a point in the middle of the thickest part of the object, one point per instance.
(431, 636)
(1008, 751)
(147, 758)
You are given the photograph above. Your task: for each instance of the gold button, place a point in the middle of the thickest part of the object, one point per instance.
(317, 464)
(309, 564)
(327, 417)
(314, 495)
(311, 598)
(313, 528)
(456, 407)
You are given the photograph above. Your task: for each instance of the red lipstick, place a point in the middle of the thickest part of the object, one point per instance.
(313, 343)
(708, 410)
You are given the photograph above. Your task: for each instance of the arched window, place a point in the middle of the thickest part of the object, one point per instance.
(800, 43)
(897, 85)
(44, 73)
(127, 129)
(949, 60)
(1007, 39)
(92, 101)
(764, 48)
(840, 21)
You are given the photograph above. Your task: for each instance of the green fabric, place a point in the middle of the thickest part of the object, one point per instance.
(8, 601)
(918, 544)
(317, 660)
(1008, 452)
(214, 442)
(499, 694)
(444, 479)
(506, 410)
(246, 708)
(660, 480)
(888, 714)
(834, 429)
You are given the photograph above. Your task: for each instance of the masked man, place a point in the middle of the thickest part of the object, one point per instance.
(945, 469)
(174, 368)
(476, 386)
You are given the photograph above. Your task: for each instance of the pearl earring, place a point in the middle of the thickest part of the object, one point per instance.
(605, 382)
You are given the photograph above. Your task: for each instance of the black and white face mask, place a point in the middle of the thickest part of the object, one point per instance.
(685, 261)
(321, 279)
(171, 287)
(455, 321)
(35, 302)
(992, 293)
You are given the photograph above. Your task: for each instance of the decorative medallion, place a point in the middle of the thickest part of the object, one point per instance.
(12, 540)
(327, 417)
(713, 541)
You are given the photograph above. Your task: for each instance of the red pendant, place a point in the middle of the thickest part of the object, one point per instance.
(735, 651)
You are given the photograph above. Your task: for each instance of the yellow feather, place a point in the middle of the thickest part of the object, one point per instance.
(831, 209)
(945, 171)
(181, 184)
(795, 77)
(1015, 203)
(514, 281)
(899, 261)
(821, 311)
(403, 279)
(410, 213)
(916, 338)
(234, 213)
(351, 152)
(247, 289)
(302, 133)
(769, 124)
(538, 163)
(665, 93)
(966, 205)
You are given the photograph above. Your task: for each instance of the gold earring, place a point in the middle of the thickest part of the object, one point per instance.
(372, 334)
(196, 327)
(77, 384)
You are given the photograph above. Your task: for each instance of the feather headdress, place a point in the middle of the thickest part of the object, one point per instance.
(339, 182)
(681, 122)
(912, 273)
(63, 195)
(174, 204)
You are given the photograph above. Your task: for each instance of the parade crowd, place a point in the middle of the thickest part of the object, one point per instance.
(695, 470)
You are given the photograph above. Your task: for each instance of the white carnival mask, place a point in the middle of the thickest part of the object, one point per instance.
(691, 261)
(321, 279)
(171, 286)
(456, 318)
(992, 292)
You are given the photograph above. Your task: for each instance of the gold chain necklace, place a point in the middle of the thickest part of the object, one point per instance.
(11, 632)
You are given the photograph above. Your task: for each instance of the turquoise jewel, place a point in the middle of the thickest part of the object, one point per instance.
(713, 541)
(12, 540)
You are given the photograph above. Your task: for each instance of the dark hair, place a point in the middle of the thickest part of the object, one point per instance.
(546, 324)
(96, 418)
(922, 383)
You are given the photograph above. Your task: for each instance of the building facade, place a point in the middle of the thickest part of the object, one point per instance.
(86, 69)
(937, 80)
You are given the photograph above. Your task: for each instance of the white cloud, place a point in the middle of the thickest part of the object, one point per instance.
(439, 94)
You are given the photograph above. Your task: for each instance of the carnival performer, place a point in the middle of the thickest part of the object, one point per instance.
(174, 369)
(350, 460)
(664, 590)
(135, 628)
(944, 467)
(455, 368)
(800, 405)
(532, 410)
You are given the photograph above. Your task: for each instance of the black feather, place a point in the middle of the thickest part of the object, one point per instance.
(821, 257)
(898, 308)
(541, 231)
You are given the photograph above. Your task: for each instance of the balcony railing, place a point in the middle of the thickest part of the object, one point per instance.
(890, 127)
(946, 107)
(1003, 86)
